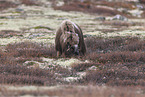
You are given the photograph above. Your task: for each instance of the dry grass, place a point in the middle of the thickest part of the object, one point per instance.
(117, 26)
(80, 91)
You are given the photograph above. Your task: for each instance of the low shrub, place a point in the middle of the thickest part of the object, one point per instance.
(6, 4)
(30, 49)
(17, 74)
(115, 75)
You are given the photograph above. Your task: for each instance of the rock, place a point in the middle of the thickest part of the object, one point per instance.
(100, 18)
(19, 10)
(120, 17)
(32, 64)
(35, 35)
(92, 68)
(87, 35)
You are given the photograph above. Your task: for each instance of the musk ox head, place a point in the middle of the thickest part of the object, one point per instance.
(70, 41)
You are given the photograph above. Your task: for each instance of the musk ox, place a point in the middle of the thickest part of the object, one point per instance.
(69, 40)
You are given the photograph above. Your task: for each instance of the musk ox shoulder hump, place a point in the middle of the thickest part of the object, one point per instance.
(67, 25)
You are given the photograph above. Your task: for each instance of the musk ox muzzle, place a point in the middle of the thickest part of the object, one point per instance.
(73, 49)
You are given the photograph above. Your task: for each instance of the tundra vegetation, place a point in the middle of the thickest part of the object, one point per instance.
(113, 66)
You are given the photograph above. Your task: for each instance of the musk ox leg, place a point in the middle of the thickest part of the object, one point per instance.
(63, 55)
(58, 54)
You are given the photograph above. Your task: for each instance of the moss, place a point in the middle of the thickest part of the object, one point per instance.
(62, 61)
(42, 27)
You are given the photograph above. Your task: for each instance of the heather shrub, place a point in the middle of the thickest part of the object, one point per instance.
(126, 5)
(112, 50)
(115, 74)
(114, 57)
(98, 44)
(6, 4)
(30, 49)
(17, 74)
(9, 33)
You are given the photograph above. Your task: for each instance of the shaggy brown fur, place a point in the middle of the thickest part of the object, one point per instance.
(69, 40)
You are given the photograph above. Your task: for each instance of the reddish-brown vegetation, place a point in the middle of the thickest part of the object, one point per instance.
(17, 74)
(114, 50)
(118, 75)
(13, 72)
(143, 14)
(98, 7)
(117, 61)
(142, 1)
(30, 2)
(87, 7)
(6, 4)
(126, 5)
(78, 91)
(24, 51)
(9, 33)
(30, 49)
